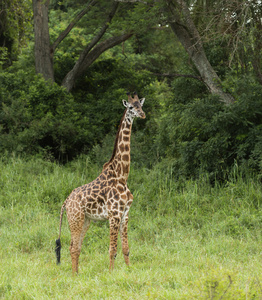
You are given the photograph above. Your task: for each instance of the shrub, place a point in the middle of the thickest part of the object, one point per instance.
(39, 116)
(203, 135)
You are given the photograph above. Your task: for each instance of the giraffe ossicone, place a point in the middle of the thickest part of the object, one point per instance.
(107, 197)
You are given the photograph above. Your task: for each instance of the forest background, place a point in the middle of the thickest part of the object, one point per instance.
(196, 169)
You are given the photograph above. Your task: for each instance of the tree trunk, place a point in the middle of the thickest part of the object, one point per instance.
(182, 25)
(85, 61)
(43, 60)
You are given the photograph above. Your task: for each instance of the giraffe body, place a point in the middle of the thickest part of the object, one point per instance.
(107, 197)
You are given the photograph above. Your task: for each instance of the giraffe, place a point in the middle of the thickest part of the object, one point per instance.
(107, 197)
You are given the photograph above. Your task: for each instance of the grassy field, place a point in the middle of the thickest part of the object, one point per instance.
(188, 239)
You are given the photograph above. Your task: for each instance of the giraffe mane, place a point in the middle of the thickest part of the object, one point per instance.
(116, 140)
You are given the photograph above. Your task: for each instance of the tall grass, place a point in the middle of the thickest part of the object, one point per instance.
(188, 239)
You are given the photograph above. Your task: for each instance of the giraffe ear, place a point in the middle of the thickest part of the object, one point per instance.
(142, 101)
(124, 103)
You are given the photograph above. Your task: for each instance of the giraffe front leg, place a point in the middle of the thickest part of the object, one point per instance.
(114, 224)
(124, 239)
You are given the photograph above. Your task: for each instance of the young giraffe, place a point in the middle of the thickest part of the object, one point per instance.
(107, 197)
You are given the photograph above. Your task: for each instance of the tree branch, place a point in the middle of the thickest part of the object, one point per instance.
(97, 38)
(102, 47)
(80, 67)
(70, 27)
(81, 64)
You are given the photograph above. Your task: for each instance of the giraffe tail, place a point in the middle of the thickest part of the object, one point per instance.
(58, 242)
(58, 251)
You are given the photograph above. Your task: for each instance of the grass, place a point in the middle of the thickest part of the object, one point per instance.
(188, 240)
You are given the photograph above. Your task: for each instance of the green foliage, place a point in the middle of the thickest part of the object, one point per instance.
(111, 76)
(40, 117)
(218, 53)
(16, 23)
(185, 127)
(3, 56)
(205, 135)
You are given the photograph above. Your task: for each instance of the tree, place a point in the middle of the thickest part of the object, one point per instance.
(177, 14)
(44, 52)
(184, 28)
(237, 24)
(194, 23)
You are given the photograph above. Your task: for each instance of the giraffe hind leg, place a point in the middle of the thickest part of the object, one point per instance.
(78, 230)
(75, 252)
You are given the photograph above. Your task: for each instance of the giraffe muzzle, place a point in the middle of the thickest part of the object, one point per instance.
(142, 115)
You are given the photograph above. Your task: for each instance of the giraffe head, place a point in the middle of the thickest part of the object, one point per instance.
(134, 106)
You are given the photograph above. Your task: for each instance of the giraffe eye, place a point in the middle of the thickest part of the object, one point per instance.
(131, 107)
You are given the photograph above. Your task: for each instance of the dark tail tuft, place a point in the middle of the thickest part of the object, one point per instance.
(58, 251)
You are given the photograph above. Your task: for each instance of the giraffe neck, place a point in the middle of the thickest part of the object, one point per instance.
(120, 160)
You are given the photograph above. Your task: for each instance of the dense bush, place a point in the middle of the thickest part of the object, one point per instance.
(205, 135)
(40, 117)
(185, 127)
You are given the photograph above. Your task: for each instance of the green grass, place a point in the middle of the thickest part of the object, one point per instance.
(188, 240)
